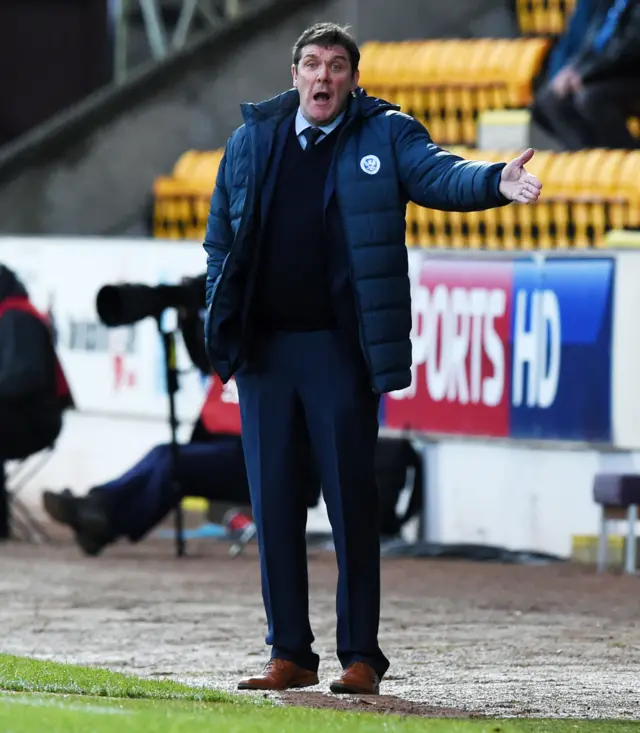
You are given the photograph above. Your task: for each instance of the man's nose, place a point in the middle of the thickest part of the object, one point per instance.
(323, 73)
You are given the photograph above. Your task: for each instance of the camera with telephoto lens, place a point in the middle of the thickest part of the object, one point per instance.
(127, 303)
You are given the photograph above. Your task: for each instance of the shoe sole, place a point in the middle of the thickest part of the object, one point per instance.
(339, 689)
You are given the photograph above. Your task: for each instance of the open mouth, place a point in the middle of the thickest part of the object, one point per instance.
(321, 97)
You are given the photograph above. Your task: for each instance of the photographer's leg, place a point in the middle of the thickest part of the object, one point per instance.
(214, 471)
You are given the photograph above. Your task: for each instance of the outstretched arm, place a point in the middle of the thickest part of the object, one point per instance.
(437, 179)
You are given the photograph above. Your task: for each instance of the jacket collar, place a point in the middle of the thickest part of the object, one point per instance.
(359, 105)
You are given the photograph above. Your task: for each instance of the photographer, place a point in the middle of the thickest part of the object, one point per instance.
(211, 465)
(131, 505)
(33, 389)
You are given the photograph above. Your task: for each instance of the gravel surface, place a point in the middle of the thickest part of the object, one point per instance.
(464, 639)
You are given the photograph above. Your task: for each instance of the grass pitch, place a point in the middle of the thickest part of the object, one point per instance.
(38, 696)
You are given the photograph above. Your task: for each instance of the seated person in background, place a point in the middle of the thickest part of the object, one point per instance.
(211, 466)
(33, 390)
(593, 84)
(131, 505)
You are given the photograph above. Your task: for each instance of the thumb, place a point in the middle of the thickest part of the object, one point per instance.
(524, 158)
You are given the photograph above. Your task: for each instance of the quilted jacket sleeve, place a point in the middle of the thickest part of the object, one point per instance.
(437, 179)
(219, 235)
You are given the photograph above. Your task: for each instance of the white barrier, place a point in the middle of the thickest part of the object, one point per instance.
(524, 481)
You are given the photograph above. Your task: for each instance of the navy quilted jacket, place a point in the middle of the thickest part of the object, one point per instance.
(383, 159)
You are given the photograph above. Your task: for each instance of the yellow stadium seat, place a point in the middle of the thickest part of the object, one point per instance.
(544, 17)
(181, 201)
(447, 83)
(185, 163)
(626, 210)
(426, 96)
(588, 209)
(198, 165)
(585, 195)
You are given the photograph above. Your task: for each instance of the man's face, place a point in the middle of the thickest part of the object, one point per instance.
(324, 80)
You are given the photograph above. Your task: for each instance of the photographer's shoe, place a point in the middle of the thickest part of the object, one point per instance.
(84, 515)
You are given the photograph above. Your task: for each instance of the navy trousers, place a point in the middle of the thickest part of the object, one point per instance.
(295, 389)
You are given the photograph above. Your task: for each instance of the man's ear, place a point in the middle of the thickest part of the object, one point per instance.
(294, 75)
(356, 80)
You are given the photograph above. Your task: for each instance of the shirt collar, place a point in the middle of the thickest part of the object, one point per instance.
(302, 124)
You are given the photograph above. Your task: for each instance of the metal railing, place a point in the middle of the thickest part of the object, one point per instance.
(194, 18)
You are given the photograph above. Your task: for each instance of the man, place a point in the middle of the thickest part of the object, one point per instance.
(594, 84)
(33, 389)
(308, 304)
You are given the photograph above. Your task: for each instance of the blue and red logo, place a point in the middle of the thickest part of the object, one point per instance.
(518, 348)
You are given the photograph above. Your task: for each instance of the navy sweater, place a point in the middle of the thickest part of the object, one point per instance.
(293, 286)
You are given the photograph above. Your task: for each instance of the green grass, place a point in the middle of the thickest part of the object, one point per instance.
(92, 700)
(69, 714)
(21, 674)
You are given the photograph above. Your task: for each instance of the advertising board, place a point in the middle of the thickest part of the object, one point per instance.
(509, 348)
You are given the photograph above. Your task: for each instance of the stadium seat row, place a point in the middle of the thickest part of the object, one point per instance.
(447, 83)
(543, 17)
(585, 195)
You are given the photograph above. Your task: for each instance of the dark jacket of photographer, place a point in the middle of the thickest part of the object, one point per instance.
(33, 391)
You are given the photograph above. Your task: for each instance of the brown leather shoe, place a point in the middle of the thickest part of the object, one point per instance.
(280, 674)
(357, 679)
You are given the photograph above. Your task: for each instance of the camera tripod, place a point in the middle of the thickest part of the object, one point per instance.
(171, 381)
